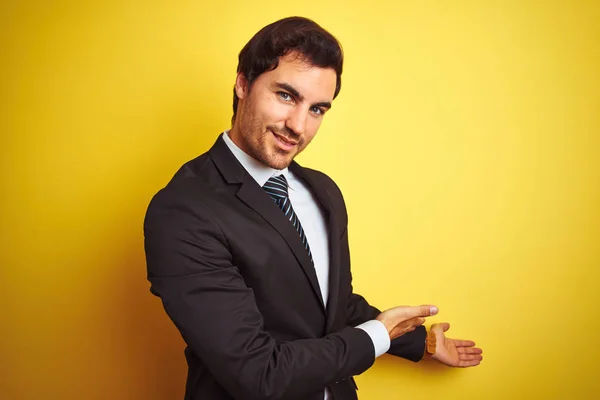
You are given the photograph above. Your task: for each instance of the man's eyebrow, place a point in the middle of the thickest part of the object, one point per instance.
(289, 88)
(324, 104)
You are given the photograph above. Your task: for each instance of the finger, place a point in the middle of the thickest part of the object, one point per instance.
(470, 357)
(469, 350)
(409, 312)
(466, 364)
(413, 322)
(406, 326)
(464, 343)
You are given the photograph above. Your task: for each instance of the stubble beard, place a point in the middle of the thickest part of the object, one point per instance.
(256, 138)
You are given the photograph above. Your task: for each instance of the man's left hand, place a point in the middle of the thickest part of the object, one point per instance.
(453, 352)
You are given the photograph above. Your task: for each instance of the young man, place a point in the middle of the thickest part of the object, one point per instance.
(249, 251)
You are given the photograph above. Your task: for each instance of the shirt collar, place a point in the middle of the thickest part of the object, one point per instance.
(257, 170)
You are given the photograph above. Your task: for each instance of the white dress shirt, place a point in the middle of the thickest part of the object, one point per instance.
(311, 217)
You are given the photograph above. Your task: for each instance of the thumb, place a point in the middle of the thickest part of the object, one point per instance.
(444, 326)
(419, 311)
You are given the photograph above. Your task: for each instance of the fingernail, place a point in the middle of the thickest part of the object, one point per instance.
(433, 310)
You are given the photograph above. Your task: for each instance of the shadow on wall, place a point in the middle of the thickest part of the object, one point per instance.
(146, 349)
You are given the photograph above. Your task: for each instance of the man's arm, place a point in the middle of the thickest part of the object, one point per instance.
(190, 269)
(411, 345)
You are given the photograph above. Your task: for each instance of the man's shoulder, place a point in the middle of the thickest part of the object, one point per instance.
(191, 182)
(318, 176)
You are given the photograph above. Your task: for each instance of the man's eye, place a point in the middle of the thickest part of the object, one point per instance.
(284, 96)
(317, 110)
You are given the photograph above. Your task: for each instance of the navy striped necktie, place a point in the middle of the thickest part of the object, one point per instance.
(277, 188)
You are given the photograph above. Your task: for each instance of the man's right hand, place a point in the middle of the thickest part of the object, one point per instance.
(402, 319)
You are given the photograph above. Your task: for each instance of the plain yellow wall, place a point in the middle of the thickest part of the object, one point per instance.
(483, 117)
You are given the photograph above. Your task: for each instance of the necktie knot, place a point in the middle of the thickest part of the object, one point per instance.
(277, 187)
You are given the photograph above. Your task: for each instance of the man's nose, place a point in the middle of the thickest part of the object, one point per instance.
(296, 120)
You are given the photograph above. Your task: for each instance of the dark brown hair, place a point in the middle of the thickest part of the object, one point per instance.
(294, 34)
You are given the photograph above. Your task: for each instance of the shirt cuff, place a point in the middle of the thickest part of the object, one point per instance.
(378, 334)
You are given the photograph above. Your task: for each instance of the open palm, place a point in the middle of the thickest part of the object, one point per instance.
(453, 352)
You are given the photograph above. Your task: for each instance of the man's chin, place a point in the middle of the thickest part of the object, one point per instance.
(279, 165)
(278, 158)
(279, 162)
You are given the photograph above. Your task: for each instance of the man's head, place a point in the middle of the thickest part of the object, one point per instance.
(288, 75)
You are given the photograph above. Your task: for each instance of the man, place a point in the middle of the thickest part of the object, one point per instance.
(249, 251)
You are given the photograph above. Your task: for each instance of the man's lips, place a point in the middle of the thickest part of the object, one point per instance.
(285, 140)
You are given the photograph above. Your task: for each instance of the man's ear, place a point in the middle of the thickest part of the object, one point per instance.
(241, 86)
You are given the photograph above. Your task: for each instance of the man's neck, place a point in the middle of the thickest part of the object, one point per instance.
(236, 137)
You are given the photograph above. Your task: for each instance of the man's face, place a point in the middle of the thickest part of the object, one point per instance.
(281, 113)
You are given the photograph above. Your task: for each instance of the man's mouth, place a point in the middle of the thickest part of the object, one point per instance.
(284, 142)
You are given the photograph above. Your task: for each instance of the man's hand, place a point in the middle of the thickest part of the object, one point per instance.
(403, 319)
(453, 352)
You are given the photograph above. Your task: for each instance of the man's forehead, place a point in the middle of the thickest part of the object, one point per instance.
(304, 76)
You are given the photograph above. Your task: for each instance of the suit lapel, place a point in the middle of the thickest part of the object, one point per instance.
(257, 199)
(325, 199)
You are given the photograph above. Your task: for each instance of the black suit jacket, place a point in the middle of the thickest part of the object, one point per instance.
(237, 282)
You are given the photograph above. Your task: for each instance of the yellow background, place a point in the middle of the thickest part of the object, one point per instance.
(480, 120)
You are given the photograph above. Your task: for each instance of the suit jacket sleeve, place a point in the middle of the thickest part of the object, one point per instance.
(190, 268)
